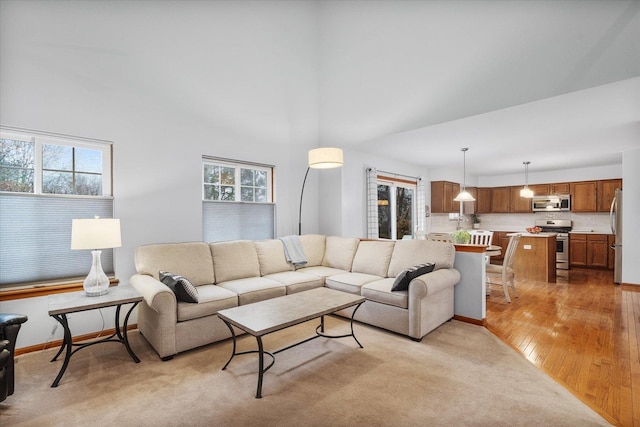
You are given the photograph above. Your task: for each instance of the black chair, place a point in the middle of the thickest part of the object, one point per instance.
(9, 327)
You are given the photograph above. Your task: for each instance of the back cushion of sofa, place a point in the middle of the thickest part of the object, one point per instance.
(339, 252)
(409, 253)
(191, 260)
(313, 245)
(373, 257)
(233, 260)
(271, 257)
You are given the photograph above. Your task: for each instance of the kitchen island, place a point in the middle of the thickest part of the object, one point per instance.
(535, 258)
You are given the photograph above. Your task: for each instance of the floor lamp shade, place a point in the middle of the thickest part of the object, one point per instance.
(320, 158)
(325, 158)
(95, 234)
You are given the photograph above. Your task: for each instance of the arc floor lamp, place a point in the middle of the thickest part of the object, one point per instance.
(320, 158)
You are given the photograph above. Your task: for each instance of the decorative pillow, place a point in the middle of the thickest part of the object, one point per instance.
(181, 286)
(402, 280)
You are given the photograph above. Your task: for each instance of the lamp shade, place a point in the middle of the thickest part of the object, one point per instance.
(325, 158)
(96, 233)
(464, 196)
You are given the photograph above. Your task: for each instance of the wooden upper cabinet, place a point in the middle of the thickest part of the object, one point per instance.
(519, 204)
(541, 190)
(500, 199)
(559, 188)
(455, 190)
(583, 196)
(483, 200)
(442, 194)
(606, 190)
(469, 208)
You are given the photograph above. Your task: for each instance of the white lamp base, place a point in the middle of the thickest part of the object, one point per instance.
(96, 283)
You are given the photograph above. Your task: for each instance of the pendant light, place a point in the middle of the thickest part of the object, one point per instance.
(464, 195)
(526, 192)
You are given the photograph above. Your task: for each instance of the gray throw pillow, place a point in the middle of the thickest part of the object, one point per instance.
(402, 280)
(181, 286)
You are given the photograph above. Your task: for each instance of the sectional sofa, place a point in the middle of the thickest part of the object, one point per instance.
(227, 274)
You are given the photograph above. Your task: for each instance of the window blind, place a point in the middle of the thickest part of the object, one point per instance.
(238, 221)
(35, 237)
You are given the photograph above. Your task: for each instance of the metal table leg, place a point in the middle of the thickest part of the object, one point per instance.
(67, 343)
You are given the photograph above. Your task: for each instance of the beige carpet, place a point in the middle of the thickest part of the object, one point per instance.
(459, 374)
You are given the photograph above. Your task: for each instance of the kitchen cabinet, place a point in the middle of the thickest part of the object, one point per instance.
(583, 196)
(442, 194)
(605, 191)
(469, 208)
(519, 204)
(541, 190)
(483, 200)
(559, 188)
(522, 204)
(500, 199)
(577, 250)
(589, 250)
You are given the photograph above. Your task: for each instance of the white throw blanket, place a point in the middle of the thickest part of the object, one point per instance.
(293, 250)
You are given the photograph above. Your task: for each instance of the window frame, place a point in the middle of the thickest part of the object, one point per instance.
(58, 281)
(41, 138)
(393, 183)
(238, 166)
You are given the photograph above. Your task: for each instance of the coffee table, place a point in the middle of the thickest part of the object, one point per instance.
(264, 317)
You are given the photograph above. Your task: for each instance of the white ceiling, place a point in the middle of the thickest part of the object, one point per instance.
(553, 82)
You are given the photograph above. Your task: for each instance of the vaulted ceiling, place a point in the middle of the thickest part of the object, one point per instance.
(553, 82)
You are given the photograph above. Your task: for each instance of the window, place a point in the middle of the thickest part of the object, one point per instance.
(236, 182)
(237, 200)
(396, 208)
(46, 180)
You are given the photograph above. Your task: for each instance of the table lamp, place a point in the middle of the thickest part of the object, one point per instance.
(95, 234)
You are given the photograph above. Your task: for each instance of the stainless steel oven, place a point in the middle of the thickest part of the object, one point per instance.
(562, 227)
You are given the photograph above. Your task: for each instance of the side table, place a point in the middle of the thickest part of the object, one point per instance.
(60, 305)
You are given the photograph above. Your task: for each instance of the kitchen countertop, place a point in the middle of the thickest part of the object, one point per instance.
(588, 232)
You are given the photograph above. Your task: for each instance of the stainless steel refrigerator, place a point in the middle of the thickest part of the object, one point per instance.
(615, 216)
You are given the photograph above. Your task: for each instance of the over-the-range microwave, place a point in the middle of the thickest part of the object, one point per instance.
(561, 202)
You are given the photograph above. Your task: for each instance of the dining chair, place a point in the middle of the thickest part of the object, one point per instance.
(481, 237)
(505, 271)
(440, 237)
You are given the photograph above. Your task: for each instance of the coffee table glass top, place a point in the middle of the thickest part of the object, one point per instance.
(270, 315)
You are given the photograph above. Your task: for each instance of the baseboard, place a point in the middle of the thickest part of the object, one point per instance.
(482, 322)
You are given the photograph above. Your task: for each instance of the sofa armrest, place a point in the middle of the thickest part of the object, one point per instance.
(432, 283)
(156, 294)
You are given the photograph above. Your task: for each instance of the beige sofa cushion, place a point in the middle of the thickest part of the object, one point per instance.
(191, 260)
(313, 246)
(254, 289)
(409, 253)
(271, 257)
(373, 257)
(339, 252)
(211, 298)
(380, 291)
(233, 260)
(350, 282)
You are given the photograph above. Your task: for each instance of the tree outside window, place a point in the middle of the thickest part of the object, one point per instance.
(236, 182)
(395, 209)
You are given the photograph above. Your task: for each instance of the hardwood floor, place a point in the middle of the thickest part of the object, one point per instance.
(584, 331)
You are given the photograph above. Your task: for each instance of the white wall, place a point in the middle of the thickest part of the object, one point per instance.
(125, 72)
(352, 217)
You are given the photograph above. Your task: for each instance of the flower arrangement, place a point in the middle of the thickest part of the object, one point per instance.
(533, 230)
